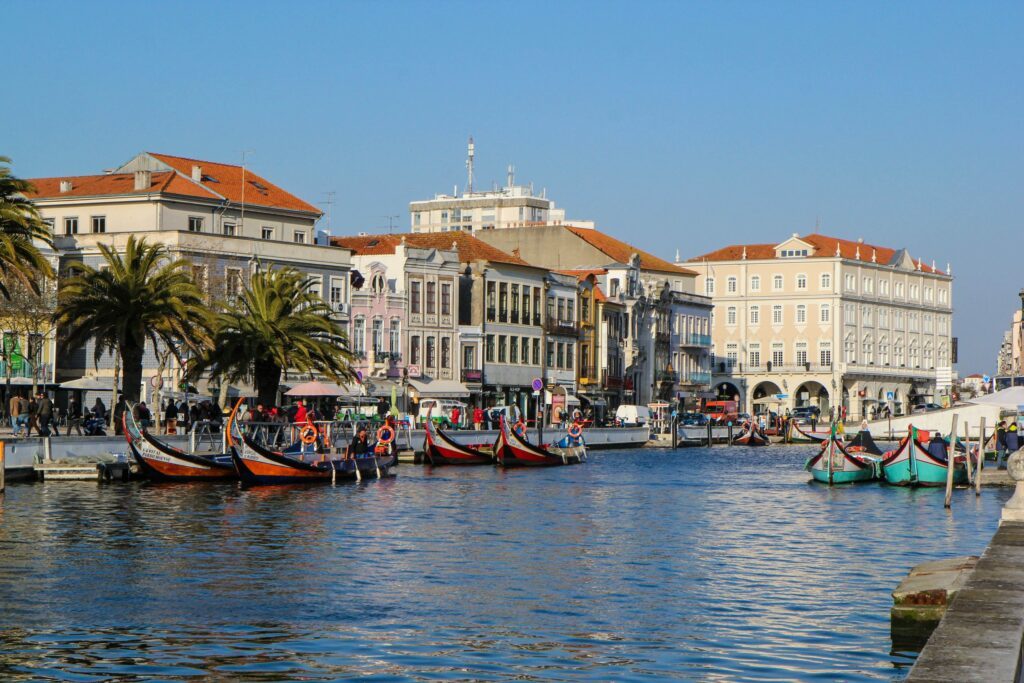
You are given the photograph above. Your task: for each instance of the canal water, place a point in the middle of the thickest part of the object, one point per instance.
(706, 565)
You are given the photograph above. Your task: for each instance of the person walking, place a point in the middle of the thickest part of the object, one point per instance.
(1000, 443)
(478, 418)
(14, 408)
(33, 415)
(44, 413)
(74, 416)
(1012, 438)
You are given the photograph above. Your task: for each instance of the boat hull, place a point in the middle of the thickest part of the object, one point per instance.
(835, 465)
(161, 462)
(911, 464)
(440, 450)
(511, 450)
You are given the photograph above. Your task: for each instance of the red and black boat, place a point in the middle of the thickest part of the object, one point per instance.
(440, 449)
(752, 437)
(513, 450)
(258, 465)
(161, 462)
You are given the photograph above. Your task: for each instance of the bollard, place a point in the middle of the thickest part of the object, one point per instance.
(675, 432)
(981, 459)
(47, 450)
(730, 434)
(709, 434)
(950, 462)
(3, 466)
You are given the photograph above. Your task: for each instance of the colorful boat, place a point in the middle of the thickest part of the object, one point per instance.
(834, 464)
(807, 435)
(440, 449)
(912, 463)
(751, 437)
(161, 462)
(513, 450)
(258, 465)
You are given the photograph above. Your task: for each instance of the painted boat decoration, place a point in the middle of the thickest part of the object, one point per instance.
(752, 437)
(161, 462)
(913, 463)
(863, 442)
(439, 449)
(807, 435)
(835, 464)
(261, 466)
(512, 450)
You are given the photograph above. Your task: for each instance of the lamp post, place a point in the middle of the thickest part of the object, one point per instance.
(1020, 341)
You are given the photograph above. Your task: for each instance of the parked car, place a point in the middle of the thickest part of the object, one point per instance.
(926, 408)
(806, 414)
(629, 416)
(694, 420)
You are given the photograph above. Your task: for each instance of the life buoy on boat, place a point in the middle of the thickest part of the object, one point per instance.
(308, 434)
(385, 435)
(575, 431)
(519, 428)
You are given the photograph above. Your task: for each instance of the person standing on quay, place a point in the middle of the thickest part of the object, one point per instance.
(171, 417)
(456, 417)
(33, 416)
(478, 418)
(14, 406)
(45, 414)
(74, 416)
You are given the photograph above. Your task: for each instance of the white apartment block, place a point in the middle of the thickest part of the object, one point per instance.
(822, 321)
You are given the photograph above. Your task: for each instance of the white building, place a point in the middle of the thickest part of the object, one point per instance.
(817, 320)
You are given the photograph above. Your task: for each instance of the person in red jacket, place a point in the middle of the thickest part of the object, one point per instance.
(478, 418)
(300, 411)
(456, 416)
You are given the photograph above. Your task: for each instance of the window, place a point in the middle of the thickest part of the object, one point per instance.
(709, 286)
(755, 283)
(377, 336)
(515, 306)
(228, 229)
(613, 287)
(731, 356)
(267, 233)
(560, 360)
(536, 307)
(730, 285)
(415, 300)
(489, 349)
(99, 224)
(897, 352)
(801, 282)
(754, 356)
(414, 348)
(927, 297)
(551, 308)
(913, 292)
(199, 277)
(446, 353)
(776, 315)
(299, 237)
(868, 348)
(536, 351)
(585, 309)
(395, 336)
(526, 306)
(513, 351)
(927, 322)
(883, 287)
(826, 281)
(883, 351)
(825, 313)
(359, 335)
(570, 355)
(491, 302)
(570, 310)
(431, 298)
(71, 226)
(195, 224)
(865, 316)
(867, 285)
(850, 349)
(730, 316)
(755, 315)
(503, 302)
(431, 350)
(776, 282)
(914, 362)
(801, 314)
(825, 353)
(801, 353)
(416, 218)
(524, 358)
(851, 283)
(502, 348)
(561, 309)
(232, 283)
(777, 354)
(446, 298)
(883, 317)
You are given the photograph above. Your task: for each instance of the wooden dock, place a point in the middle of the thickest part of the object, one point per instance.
(84, 469)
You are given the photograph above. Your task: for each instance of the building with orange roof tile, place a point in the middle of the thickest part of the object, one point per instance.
(224, 218)
(817, 321)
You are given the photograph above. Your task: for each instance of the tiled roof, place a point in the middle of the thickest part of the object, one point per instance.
(582, 273)
(115, 184)
(620, 251)
(226, 181)
(599, 294)
(824, 246)
(470, 248)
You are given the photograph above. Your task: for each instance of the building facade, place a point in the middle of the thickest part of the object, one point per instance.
(834, 323)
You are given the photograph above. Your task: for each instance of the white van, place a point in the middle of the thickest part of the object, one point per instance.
(440, 409)
(630, 416)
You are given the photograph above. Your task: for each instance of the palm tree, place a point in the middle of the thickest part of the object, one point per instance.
(276, 324)
(20, 224)
(138, 297)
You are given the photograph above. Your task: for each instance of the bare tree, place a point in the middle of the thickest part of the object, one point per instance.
(27, 322)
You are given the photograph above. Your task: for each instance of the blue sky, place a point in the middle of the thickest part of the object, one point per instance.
(673, 125)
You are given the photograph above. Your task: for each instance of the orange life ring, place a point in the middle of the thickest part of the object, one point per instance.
(385, 435)
(575, 431)
(519, 428)
(308, 434)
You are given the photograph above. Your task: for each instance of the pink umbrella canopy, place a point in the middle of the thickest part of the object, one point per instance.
(315, 388)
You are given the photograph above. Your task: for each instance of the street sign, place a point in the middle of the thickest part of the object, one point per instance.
(889, 396)
(156, 381)
(781, 396)
(538, 384)
(414, 371)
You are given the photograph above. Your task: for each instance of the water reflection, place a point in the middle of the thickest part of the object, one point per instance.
(710, 565)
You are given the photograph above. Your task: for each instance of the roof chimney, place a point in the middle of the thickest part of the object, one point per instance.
(197, 173)
(143, 179)
(65, 186)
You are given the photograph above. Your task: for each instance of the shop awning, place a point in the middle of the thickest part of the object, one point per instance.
(87, 384)
(570, 399)
(439, 388)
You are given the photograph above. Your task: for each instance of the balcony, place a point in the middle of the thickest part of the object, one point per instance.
(696, 378)
(701, 340)
(613, 381)
(18, 369)
(471, 376)
(563, 327)
(667, 376)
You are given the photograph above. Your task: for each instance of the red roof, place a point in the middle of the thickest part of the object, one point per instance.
(620, 251)
(220, 181)
(824, 246)
(470, 248)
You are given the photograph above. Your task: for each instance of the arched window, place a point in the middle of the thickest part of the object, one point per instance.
(730, 285)
(755, 283)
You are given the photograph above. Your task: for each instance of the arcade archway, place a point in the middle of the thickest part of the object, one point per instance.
(813, 394)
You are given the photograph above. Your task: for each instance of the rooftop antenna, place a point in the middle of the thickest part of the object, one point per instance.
(391, 223)
(329, 203)
(511, 175)
(469, 166)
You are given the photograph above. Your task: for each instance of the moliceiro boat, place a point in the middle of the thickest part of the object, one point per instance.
(752, 436)
(834, 464)
(441, 450)
(513, 450)
(806, 434)
(162, 462)
(913, 463)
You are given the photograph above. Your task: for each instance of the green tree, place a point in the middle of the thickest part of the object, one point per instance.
(141, 296)
(20, 224)
(277, 323)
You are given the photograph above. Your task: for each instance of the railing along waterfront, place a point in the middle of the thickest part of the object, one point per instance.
(280, 435)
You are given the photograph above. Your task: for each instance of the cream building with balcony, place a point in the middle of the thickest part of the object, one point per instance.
(817, 320)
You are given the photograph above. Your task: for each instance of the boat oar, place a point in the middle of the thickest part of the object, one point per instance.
(355, 464)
